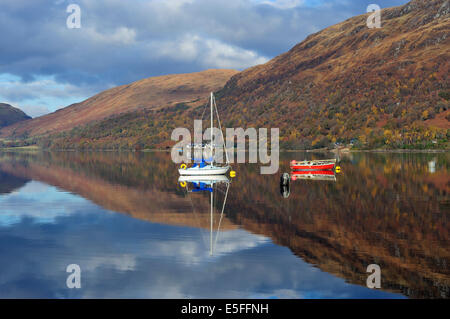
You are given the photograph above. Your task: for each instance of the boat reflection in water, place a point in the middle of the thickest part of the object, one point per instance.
(314, 175)
(207, 184)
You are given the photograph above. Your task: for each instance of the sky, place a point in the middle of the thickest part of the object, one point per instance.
(44, 65)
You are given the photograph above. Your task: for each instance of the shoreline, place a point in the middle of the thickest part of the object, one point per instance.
(372, 151)
(402, 151)
(346, 150)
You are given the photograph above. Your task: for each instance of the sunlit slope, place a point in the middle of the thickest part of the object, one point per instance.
(147, 94)
(380, 86)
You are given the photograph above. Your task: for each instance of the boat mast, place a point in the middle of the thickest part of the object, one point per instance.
(211, 231)
(212, 160)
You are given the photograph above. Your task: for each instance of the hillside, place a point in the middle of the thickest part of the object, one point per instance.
(10, 115)
(147, 94)
(386, 87)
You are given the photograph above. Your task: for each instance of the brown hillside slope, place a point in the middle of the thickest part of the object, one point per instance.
(150, 93)
(349, 81)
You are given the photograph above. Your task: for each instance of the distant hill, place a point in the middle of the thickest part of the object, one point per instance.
(386, 87)
(147, 94)
(10, 115)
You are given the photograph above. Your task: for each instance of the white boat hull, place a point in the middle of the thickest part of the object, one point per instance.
(207, 170)
(204, 178)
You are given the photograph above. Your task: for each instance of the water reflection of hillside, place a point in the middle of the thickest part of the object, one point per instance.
(384, 209)
(121, 183)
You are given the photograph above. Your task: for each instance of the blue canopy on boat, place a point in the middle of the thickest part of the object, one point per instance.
(200, 187)
(200, 162)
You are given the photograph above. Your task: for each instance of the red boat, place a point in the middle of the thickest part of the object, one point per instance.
(314, 165)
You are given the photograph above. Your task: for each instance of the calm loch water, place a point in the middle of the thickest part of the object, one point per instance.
(136, 232)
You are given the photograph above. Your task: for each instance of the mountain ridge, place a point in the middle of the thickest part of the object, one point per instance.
(347, 77)
(10, 115)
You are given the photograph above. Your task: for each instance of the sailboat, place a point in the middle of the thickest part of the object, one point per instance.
(202, 167)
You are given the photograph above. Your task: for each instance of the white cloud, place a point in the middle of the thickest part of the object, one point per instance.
(12, 89)
(209, 53)
(46, 203)
(228, 56)
(36, 97)
(285, 4)
(30, 109)
(120, 36)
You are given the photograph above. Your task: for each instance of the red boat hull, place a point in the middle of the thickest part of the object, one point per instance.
(313, 167)
(327, 173)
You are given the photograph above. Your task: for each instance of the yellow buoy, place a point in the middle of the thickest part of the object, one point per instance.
(183, 166)
(338, 169)
(183, 184)
(232, 174)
